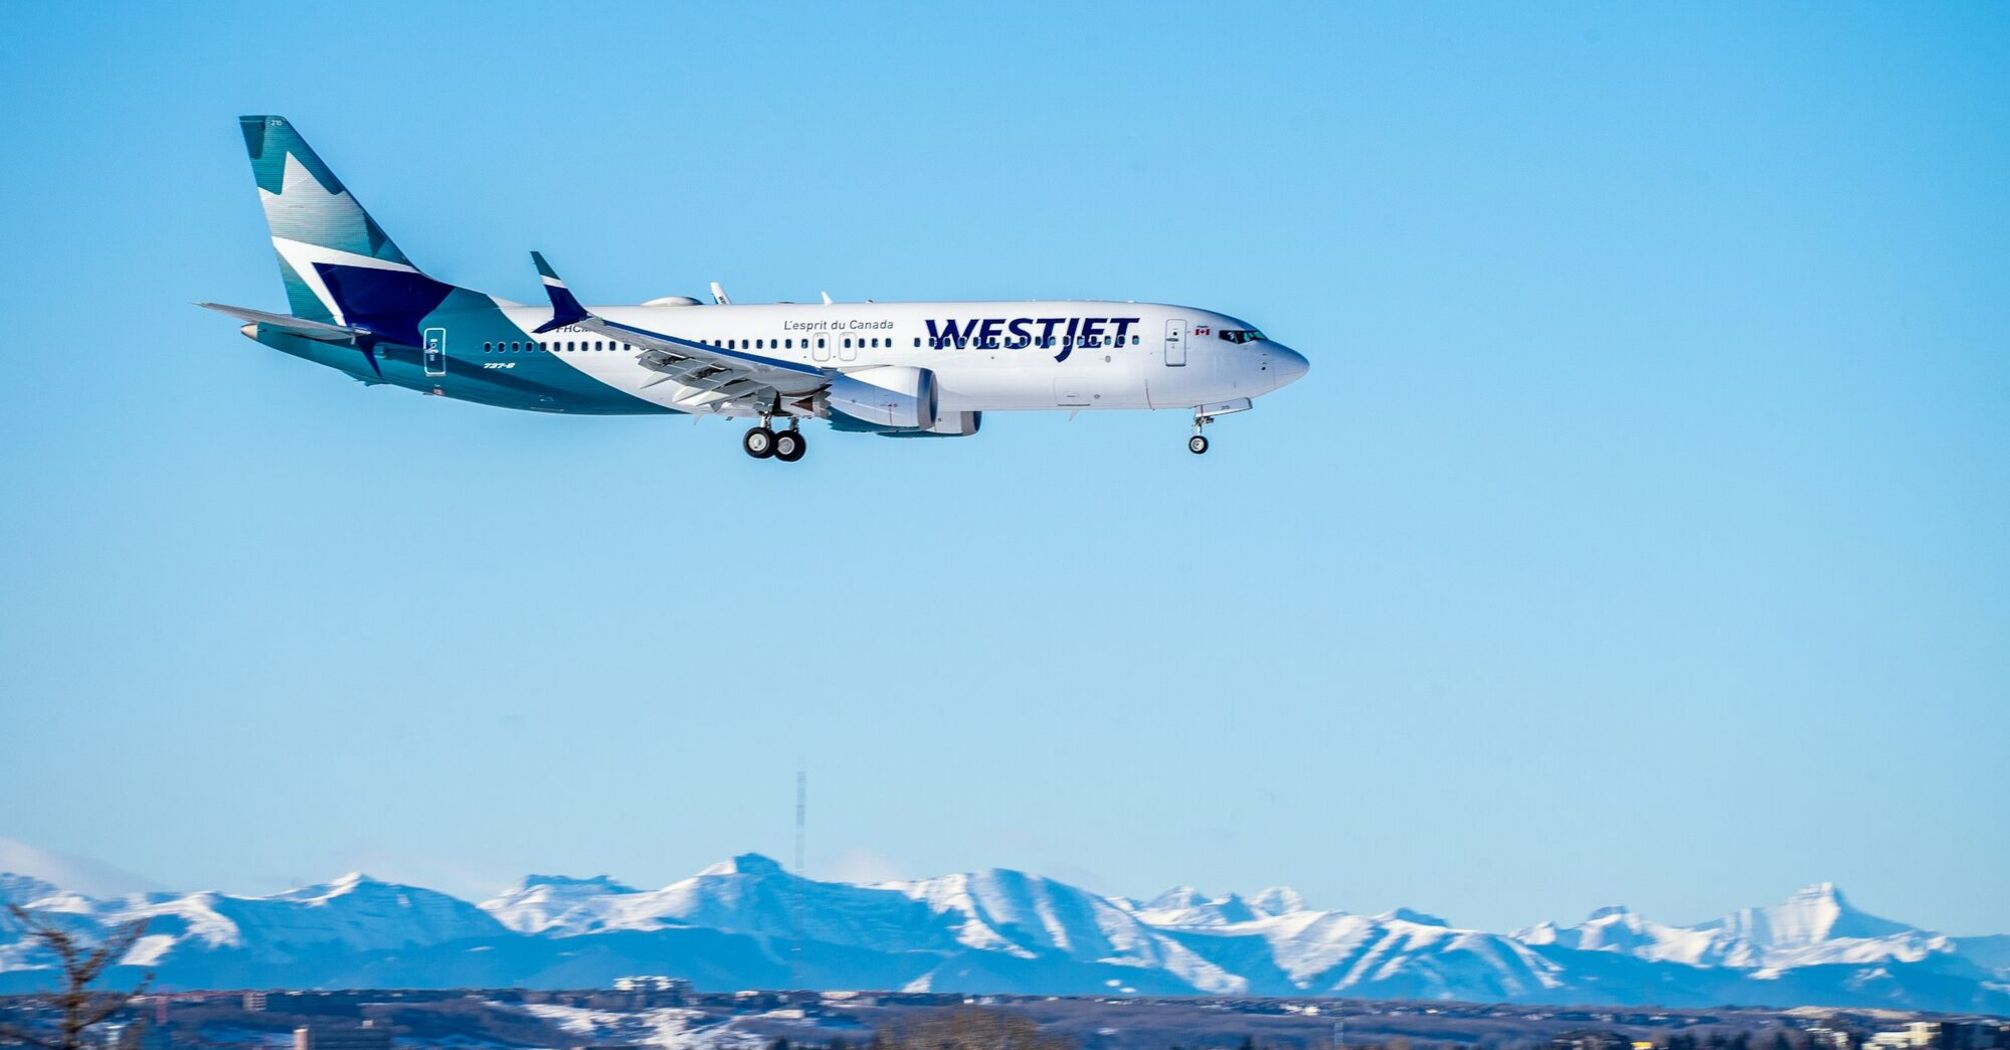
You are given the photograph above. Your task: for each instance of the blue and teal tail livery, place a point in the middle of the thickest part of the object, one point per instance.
(307, 207)
(339, 266)
(565, 309)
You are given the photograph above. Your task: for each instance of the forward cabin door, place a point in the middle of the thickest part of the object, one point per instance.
(1176, 342)
(436, 351)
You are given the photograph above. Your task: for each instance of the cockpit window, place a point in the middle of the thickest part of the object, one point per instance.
(1240, 335)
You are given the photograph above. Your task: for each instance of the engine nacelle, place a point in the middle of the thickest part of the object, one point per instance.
(947, 424)
(898, 396)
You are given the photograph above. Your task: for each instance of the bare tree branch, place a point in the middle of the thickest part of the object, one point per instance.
(81, 1007)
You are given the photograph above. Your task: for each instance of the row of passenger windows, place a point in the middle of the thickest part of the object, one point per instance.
(518, 347)
(864, 342)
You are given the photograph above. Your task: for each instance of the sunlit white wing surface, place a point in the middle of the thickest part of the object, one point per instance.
(719, 378)
(715, 378)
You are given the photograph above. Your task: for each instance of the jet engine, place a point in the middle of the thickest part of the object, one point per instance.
(901, 397)
(947, 424)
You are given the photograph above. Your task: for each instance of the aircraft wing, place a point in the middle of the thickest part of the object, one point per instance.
(718, 375)
(719, 378)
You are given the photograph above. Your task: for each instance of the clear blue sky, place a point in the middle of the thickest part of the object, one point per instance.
(1639, 534)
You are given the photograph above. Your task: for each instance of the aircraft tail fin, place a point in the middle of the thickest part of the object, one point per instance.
(339, 266)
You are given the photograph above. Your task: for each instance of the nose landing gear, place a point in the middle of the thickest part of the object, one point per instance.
(1197, 444)
(1205, 414)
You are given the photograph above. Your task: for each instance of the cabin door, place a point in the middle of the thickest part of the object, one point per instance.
(1176, 341)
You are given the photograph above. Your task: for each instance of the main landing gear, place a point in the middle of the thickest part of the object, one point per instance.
(763, 442)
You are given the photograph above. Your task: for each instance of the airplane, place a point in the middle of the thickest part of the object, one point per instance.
(910, 369)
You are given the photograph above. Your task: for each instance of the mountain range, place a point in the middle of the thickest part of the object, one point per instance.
(749, 923)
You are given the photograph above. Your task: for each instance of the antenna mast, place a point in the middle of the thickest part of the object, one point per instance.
(796, 898)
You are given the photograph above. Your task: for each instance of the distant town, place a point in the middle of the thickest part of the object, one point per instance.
(646, 1012)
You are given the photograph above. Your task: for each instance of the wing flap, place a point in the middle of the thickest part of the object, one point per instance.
(718, 378)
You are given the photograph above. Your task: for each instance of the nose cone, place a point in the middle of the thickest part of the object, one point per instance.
(1288, 365)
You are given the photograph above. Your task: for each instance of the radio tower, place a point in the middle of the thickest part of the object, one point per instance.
(796, 898)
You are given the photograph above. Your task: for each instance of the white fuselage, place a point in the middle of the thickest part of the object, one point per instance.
(986, 356)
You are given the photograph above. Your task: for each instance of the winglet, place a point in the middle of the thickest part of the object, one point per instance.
(565, 310)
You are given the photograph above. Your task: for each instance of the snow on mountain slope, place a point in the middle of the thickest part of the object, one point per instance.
(355, 911)
(753, 894)
(1617, 929)
(1028, 917)
(1186, 906)
(748, 923)
(557, 904)
(1403, 953)
(1277, 900)
(1815, 926)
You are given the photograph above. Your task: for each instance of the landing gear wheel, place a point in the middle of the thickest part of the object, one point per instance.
(1196, 444)
(759, 442)
(790, 446)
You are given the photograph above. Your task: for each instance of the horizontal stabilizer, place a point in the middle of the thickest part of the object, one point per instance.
(320, 331)
(565, 308)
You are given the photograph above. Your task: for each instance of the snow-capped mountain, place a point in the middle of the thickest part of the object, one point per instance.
(559, 904)
(750, 923)
(1815, 926)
